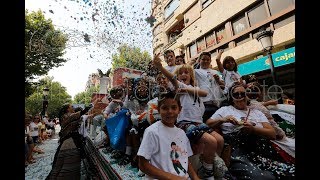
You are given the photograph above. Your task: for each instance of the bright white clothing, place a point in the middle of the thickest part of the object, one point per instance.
(206, 81)
(111, 107)
(34, 129)
(171, 69)
(156, 147)
(229, 78)
(255, 116)
(51, 124)
(192, 109)
(26, 132)
(132, 105)
(45, 120)
(82, 129)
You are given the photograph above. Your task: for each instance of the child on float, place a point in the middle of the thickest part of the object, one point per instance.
(165, 149)
(203, 139)
(229, 70)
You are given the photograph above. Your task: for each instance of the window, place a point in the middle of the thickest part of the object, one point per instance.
(242, 39)
(169, 9)
(239, 25)
(257, 14)
(284, 21)
(201, 45)
(205, 3)
(192, 14)
(156, 30)
(210, 39)
(221, 35)
(213, 54)
(193, 50)
(276, 5)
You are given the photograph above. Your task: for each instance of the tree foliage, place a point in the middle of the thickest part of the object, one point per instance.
(85, 97)
(131, 57)
(44, 48)
(56, 98)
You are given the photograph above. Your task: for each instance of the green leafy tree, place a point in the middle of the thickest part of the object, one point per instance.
(56, 98)
(131, 57)
(85, 97)
(44, 48)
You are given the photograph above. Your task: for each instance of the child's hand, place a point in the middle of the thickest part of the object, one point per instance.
(181, 90)
(216, 77)
(220, 51)
(157, 61)
(231, 120)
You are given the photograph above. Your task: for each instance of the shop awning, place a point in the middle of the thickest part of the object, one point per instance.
(280, 58)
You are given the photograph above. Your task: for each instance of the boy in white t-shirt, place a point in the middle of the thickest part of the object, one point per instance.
(165, 149)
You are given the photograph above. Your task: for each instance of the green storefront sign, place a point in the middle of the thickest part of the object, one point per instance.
(279, 59)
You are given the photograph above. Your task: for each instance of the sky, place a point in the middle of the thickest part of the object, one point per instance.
(108, 24)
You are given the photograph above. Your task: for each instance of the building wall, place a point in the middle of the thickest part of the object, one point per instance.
(220, 14)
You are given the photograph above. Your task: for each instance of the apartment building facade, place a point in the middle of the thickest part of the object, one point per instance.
(190, 27)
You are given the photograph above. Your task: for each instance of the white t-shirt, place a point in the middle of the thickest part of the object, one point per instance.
(191, 110)
(229, 78)
(156, 147)
(255, 116)
(132, 105)
(170, 68)
(34, 129)
(45, 120)
(82, 129)
(111, 106)
(206, 81)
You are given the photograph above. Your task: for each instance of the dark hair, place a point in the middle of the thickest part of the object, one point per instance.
(230, 90)
(227, 59)
(173, 143)
(204, 54)
(63, 110)
(168, 51)
(181, 56)
(77, 109)
(168, 95)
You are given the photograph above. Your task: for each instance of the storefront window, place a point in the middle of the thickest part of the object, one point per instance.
(221, 35)
(193, 50)
(276, 5)
(257, 14)
(284, 21)
(201, 45)
(239, 25)
(210, 40)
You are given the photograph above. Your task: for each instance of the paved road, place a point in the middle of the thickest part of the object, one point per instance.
(42, 167)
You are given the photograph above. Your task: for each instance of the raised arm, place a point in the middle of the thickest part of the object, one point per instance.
(194, 91)
(157, 63)
(219, 64)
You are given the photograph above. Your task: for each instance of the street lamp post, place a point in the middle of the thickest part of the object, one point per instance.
(265, 38)
(45, 101)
